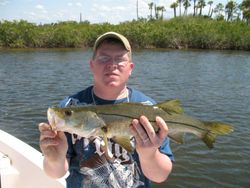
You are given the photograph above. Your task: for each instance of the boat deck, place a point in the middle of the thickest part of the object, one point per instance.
(21, 165)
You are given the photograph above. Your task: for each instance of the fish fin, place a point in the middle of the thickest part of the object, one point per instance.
(105, 139)
(177, 137)
(124, 141)
(104, 136)
(215, 129)
(171, 106)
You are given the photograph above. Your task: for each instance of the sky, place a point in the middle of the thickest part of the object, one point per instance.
(52, 11)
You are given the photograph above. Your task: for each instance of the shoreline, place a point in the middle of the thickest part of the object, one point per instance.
(176, 33)
(134, 49)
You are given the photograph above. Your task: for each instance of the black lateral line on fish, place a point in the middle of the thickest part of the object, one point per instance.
(154, 121)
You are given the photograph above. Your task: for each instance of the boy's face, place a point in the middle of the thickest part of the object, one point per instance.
(111, 66)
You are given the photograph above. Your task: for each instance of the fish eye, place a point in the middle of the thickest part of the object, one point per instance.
(68, 113)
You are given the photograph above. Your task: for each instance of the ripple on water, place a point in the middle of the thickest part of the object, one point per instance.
(212, 85)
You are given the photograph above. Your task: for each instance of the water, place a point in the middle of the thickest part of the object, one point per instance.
(210, 84)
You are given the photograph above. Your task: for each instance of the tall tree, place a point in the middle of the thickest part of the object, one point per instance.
(186, 4)
(238, 11)
(162, 10)
(201, 4)
(156, 12)
(218, 10)
(151, 5)
(179, 3)
(230, 9)
(194, 8)
(210, 8)
(174, 6)
(137, 11)
(245, 7)
(159, 12)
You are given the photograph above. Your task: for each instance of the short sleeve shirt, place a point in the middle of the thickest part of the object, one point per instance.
(92, 166)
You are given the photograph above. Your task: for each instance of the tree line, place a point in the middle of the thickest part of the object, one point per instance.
(229, 12)
(179, 32)
(222, 27)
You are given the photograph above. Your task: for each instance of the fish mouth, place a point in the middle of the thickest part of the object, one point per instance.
(55, 122)
(51, 119)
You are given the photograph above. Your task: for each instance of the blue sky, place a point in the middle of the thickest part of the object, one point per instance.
(48, 11)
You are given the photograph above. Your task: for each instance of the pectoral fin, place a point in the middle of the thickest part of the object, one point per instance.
(124, 142)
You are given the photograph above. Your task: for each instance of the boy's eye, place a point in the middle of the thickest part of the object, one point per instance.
(103, 59)
(107, 59)
(120, 59)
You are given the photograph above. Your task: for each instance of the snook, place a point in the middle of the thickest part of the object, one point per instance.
(113, 121)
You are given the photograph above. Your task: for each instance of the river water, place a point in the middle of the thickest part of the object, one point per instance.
(212, 85)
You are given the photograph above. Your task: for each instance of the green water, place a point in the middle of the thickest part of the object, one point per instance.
(210, 84)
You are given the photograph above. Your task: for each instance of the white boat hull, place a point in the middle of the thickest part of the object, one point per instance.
(21, 165)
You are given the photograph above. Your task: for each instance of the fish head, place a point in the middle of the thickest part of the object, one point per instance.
(74, 120)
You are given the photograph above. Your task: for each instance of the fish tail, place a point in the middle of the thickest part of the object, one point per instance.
(215, 129)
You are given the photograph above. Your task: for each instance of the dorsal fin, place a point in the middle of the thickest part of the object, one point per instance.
(171, 106)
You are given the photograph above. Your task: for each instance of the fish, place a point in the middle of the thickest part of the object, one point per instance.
(113, 121)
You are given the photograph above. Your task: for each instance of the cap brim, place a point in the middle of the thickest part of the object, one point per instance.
(115, 35)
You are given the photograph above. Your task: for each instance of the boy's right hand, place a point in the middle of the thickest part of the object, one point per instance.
(53, 144)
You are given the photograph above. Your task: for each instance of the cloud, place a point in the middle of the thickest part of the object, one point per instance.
(100, 8)
(106, 13)
(40, 7)
(39, 13)
(4, 2)
(78, 4)
(34, 16)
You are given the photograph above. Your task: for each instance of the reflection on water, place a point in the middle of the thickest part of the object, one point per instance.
(210, 84)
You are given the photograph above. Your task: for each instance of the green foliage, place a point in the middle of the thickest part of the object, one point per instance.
(180, 32)
(16, 34)
(245, 7)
